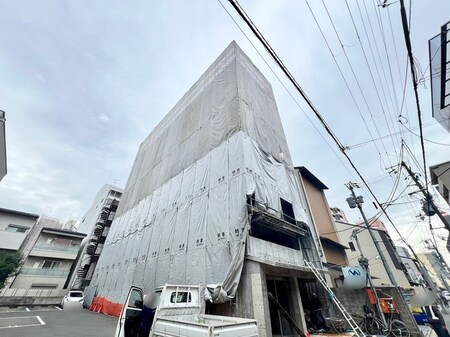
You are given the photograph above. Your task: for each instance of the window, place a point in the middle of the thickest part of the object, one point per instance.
(180, 297)
(352, 246)
(49, 264)
(16, 228)
(288, 211)
(135, 300)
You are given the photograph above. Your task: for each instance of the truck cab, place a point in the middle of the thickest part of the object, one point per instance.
(175, 310)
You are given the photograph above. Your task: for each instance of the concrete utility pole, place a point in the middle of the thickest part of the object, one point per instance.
(364, 263)
(427, 196)
(357, 202)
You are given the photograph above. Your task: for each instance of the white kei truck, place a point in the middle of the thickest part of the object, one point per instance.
(178, 313)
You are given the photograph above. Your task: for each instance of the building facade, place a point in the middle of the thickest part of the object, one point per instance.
(14, 227)
(213, 200)
(440, 178)
(338, 214)
(96, 224)
(437, 269)
(48, 255)
(414, 275)
(319, 211)
(367, 244)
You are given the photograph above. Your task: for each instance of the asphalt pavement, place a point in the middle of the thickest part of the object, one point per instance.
(52, 321)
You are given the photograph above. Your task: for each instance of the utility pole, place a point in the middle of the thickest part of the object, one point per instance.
(427, 196)
(364, 263)
(357, 202)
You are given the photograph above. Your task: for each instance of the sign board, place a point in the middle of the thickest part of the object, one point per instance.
(354, 277)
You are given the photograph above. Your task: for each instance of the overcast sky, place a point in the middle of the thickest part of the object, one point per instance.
(84, 82)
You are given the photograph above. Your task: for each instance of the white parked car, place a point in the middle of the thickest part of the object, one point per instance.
(73, 296)
(446, 295)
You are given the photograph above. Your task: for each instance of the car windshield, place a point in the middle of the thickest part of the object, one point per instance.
(75, 294)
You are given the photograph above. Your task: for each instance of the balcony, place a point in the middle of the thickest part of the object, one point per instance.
(44, 272)
(52, 250)
(91, 248)
(275, 255)
(271, 218)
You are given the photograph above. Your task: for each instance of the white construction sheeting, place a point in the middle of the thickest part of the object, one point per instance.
(183, 217)
(183, 236)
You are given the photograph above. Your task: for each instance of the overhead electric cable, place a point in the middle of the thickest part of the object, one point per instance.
(285, 88)
(270, 50)
(345, 80)
(429, 141)
(414, 80)
(377, 49)
(357, 81)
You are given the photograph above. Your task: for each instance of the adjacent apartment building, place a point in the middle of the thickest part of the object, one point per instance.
(377, 270)
(437, 269)
(334, 252)
(14, 227)
(96, 224)
(48, 255)
(213, 199)
(411, 266)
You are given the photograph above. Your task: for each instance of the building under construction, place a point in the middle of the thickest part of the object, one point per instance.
(213, 199)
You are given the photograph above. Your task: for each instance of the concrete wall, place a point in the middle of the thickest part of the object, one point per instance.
(353, 301)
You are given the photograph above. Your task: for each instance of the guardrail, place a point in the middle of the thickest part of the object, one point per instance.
(44, 272)
(61, 248)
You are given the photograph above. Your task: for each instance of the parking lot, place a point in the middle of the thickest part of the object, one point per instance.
(52, 321)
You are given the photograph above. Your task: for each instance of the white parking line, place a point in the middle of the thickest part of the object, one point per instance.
(58, 308)
(15, 325)
(18, 326)
(27, 309)
(40, 320)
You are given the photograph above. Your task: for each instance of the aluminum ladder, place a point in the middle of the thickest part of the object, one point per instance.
(355, 327)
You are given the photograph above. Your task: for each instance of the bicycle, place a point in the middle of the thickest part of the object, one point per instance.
(371, 324)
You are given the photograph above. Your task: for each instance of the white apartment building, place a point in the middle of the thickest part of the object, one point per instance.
(14, 227)
(96, 224)
(49, 253)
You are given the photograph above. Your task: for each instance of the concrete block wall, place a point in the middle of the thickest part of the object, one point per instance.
(353, 301)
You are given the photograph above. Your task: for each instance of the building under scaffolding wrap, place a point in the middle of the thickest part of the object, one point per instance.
(213, 200)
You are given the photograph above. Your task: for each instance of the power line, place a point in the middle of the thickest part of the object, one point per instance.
(350, 147)
(272, 53)
(357, 81)
(414, 80)
(429, 141)
(344, 79)
(286, 89)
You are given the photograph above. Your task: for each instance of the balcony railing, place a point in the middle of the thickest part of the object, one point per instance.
(44, 272)
(274, 219)
(61, 248)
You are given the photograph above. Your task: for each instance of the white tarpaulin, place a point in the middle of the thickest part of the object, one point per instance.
(183, 216)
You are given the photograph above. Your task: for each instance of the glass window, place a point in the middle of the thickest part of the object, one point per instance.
(180, 297)
(49, 264)
(16, 229)
(135, 300)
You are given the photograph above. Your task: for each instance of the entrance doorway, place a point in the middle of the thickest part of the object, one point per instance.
(281, 291)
